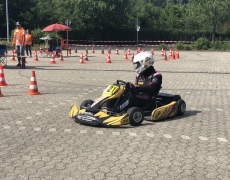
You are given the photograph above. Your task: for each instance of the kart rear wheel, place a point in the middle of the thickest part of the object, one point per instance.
(86, 103)
(181, 107)
(136, 116)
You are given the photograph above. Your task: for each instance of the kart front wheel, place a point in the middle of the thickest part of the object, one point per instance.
(136, 116)
(86, 103)
(181, 107)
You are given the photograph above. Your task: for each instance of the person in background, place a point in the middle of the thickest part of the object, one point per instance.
(28, 38)
(19, 43)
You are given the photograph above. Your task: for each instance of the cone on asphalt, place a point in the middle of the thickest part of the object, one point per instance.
(162, 52)
(69, 51)
(1, 95)
(109, 50)
(165, 56)
(117, 53)
(35, 55)
(170, 52)
(61, 57)
(138, 50)
(152, 51)
(125, 55)
(2, 77)
(86, 50)
(132, 57)
(75, 49)
(33, 86)
(108, 59)
(177, 54)
(93, 49)
(81, 61)
(12, 58)
(86, 57)
(173, 55)
(102, 49)
(52, 60)
(129, 52)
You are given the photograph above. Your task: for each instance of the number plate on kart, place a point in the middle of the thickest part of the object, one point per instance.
(110, 90)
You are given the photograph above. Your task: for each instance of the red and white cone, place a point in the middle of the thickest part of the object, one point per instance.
(2, 77)
(81, 61)
(86, 57)
(117, 53)
(129, 52)
(165, 56)
(12, 58)
(52, 60)
(35, 55)
(162, 52)
(132, 57)
(93, 49)
(125, 55)
(33, 85)
(61, 57)
(108, 59)
(152, 51)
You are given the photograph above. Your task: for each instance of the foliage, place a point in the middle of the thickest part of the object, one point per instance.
(162, 45)
(202, 44)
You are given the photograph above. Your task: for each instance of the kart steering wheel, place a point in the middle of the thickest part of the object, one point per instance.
(121, 82)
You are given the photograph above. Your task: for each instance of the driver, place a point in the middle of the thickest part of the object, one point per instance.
(147, 84)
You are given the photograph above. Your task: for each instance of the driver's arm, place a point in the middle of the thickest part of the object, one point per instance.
(152, 86)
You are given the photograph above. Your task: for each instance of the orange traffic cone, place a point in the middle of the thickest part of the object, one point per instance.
(102, 49)
(132, 57)
(1, 95)
(125, 56)
(86, 57)
(109, 50)
(143, 50)
(138, 50)
(35, 55)
(165, 56)
(69, 51)
(170, 52)
(117, 53)
(81, 59)
(108, 59)
(86, 50)
(177, 54)
(152, 51)
(33, 85)
(93, 49)
(2, 78)
(12, 58)
(129, 52)
(61, 57)
(173, 56)
(52, 60)
(162, 52)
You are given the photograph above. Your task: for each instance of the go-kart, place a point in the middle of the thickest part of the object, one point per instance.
(103, 111)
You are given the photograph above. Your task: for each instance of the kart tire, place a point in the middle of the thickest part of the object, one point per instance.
(181, 107)
(86, 103)
(136, 116)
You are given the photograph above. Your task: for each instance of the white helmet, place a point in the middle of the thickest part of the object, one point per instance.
(142, 61)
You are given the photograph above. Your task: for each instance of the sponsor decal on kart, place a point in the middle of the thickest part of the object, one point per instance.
(86, 118)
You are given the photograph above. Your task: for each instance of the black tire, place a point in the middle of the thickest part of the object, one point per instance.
(136, 116)
(181, 107)
(86, 103)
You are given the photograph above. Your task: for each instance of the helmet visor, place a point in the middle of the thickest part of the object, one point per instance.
(136, 65)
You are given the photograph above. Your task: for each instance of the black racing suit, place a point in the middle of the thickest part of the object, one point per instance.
(151, 81)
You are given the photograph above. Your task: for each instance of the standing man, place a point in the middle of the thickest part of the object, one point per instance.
(19, 43)
(28, 38)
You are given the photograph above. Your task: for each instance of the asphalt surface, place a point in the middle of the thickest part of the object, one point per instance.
(39, 141)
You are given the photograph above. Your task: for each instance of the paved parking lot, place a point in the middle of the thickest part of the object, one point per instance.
(39, 141)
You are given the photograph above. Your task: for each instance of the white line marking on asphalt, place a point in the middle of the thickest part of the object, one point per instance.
(203, 138)
(29, 117)
(219, 109)
(39, 113)
(6, 127)
(222, 139)
(132, 134)
(99, 132)
(67, 130)
(206, 109)
(185, 137)
(18, 122)
(149, 134)
(167, 136)
(83, 131)
(37, 129)
(52, 129)
(22, 127)
(116, 133)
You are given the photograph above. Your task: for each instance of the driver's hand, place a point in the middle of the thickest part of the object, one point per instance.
(136, 86)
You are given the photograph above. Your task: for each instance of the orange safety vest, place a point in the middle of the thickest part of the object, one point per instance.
(20, 35)
(28, 38)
